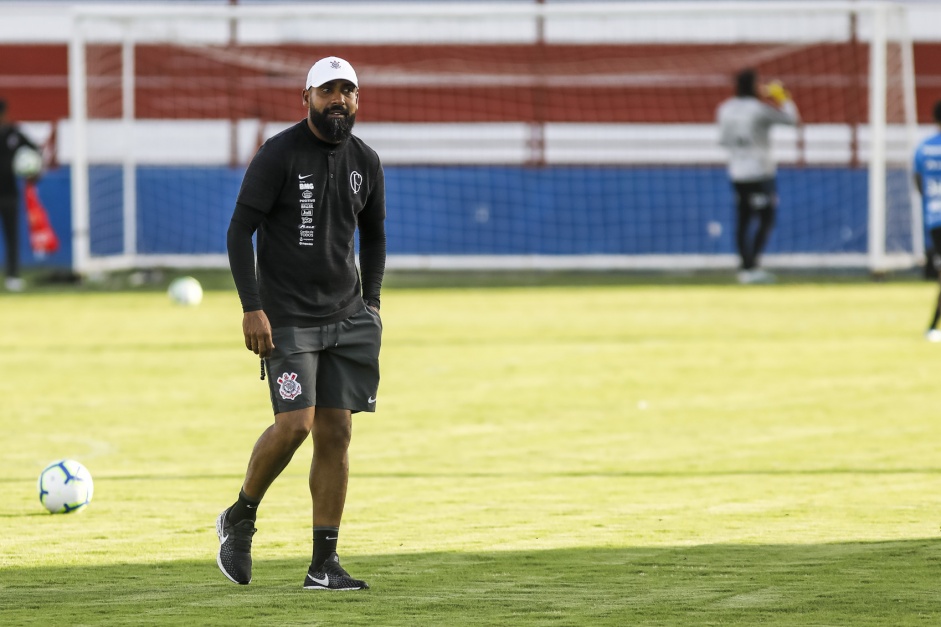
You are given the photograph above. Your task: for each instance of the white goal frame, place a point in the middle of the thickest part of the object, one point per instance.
(886, 24)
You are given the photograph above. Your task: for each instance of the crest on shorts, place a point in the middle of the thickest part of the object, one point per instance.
(290, 388)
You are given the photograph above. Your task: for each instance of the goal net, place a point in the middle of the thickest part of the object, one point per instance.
(513, 135)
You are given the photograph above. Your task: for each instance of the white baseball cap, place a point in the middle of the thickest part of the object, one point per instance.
(330, 69)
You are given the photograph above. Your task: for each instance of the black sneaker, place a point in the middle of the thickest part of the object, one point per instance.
(235, 548)
(331, 576)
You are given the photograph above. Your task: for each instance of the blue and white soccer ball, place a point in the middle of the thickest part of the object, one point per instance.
(65, 486)
(186, 291)
(27, 162)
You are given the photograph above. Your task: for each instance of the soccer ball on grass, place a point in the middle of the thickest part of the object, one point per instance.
(65, 486)
(186, 291)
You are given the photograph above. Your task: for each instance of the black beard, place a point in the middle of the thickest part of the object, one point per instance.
(333, 130)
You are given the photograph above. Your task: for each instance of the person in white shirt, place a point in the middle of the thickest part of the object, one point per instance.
(745, 123)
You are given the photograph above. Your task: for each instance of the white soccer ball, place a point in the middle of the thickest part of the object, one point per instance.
(27, 162)
(186, 291)
(65, 486)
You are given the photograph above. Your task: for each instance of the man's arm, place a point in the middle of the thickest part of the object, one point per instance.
(372, 242)
(782, 109)
(255, 326)
(784, 113)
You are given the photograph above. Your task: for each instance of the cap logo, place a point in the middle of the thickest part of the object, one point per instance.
(330, 69)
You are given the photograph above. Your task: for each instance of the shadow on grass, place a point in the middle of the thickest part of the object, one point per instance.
(878, 583)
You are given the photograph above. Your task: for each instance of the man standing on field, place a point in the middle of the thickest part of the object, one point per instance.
(309, 316)
(745, 123)
(927, 167)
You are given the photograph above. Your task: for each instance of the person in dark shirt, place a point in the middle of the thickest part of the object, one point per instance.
(11, 140)
(307, 313)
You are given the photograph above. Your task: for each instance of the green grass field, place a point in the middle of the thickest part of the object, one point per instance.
(618, 454)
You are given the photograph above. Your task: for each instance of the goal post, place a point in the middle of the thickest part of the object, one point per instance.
(891, 70)
(514, 135)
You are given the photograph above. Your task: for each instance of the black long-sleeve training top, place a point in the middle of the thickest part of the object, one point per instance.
(306, 199)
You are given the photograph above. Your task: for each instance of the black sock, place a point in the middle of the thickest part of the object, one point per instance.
(325, 543)
(245, 507)
(934, 319)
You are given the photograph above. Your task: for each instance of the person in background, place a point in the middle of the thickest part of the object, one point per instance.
(745, 121)
(927, 169)
(11, 140)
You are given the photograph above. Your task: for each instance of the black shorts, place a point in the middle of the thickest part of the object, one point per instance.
(336, 365)
(756, 196)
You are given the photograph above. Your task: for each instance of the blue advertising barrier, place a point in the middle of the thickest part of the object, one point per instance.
(498, 210)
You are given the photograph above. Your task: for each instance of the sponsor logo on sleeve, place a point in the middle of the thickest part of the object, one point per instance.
(306, 225)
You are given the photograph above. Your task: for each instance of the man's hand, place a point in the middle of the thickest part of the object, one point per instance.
(257, 331)
(776, 91)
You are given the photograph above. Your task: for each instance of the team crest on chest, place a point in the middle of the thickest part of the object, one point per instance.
(290, 388)
(356, 181)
